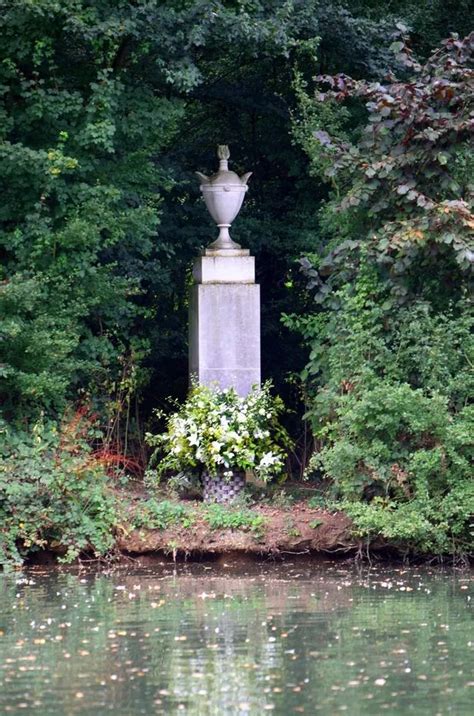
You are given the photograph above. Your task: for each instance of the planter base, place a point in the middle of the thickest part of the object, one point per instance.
(222, 489)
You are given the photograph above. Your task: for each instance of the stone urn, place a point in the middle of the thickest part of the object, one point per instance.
(223, 193)
(222, 489)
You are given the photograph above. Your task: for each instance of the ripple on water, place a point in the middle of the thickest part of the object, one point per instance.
(203, 639)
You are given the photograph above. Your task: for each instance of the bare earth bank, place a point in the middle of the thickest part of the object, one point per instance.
(298, 529)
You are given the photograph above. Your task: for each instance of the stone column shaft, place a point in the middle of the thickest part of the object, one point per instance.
(224, 336)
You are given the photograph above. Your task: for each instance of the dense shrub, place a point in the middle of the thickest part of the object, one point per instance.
(389, 403)
(106, 109)
(219, 431)
(389, 380)
(54, 494)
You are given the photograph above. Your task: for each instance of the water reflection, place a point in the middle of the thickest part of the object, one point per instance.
(203, 639)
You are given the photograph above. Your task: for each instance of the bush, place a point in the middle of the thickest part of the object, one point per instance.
(54, 494)
(221, 518)
(219, 431)
(389, 378)
(152, 514)
(393, 419)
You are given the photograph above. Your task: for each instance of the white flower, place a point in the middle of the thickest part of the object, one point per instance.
(221, 429)
(269, 459)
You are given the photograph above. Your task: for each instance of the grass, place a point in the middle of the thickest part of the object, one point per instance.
(220, 517)
(152, 514)
(155, 514)
(319, 501)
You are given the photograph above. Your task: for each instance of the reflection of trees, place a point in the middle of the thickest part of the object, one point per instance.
(244, 636)
(96, 612)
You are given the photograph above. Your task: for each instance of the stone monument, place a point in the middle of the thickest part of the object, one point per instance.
(224, 340)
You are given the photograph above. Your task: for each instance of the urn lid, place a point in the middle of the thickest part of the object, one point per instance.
(224, 176)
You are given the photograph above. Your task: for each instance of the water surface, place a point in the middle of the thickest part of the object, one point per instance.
(230, 639)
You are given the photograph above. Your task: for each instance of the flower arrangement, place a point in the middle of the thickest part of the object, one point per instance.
(219, 432)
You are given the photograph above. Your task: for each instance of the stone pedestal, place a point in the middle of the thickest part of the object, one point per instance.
(224, 339)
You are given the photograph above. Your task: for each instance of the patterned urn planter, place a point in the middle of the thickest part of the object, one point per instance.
(224, 490)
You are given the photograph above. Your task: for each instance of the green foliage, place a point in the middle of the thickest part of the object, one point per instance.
(152, 514)
(282, 499)
(219, 431)
(318, 502)
(54, 494)
(393, 440)
(290, 528)
(403, 182)
(107, 108)
(79, 190)
(220, 517)
(155, 514)
(245, 98)
(390, 396)
(389, 380)
(424, 525)
(101, 124)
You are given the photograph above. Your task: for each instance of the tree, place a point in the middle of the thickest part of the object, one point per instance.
(79, 186)
(100, 104)
(91, 95)
(404, 187)
(107, 108)
(389, 377)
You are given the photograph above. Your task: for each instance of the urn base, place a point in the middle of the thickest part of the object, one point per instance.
(223, 490)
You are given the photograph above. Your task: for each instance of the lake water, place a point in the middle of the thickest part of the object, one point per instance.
(244, 638)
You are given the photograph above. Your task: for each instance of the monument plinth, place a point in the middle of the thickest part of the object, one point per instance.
(224, 340)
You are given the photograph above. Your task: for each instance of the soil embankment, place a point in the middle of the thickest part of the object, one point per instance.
(297, 529)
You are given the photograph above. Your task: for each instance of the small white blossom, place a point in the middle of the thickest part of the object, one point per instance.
(216, 429)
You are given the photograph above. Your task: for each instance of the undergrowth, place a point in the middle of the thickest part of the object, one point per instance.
(54, 493)
(153, 514)
(223, 517)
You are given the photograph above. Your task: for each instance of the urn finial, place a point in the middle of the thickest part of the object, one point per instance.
(223, 151)
(223, 193)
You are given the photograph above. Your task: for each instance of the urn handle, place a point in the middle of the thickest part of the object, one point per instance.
(203, 177)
